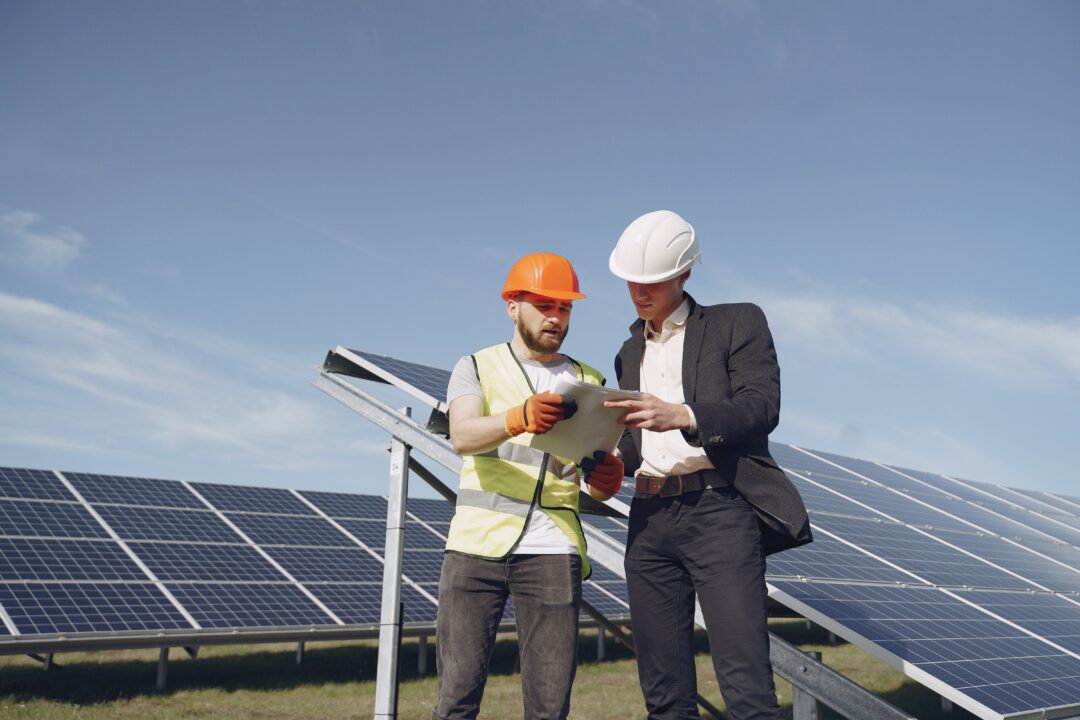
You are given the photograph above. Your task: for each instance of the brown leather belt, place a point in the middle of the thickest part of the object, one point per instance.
(672, 485)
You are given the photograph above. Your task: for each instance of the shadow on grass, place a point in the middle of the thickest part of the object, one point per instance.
(86, 680)
(92, 679)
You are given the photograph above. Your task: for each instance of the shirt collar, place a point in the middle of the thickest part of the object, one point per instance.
(672, 323)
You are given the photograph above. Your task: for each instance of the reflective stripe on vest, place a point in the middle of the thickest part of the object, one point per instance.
(498, 488)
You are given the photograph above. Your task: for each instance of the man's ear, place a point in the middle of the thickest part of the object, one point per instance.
(512, 309)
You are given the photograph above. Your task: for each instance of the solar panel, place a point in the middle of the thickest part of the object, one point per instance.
(327, 564)
(370, 532)
(987, 660)
(52, 608)
(32, 484)
(361, 603)
(252, 499)
(142, 523)
(30, 518)
(342, 505)
(425, 383)
(926, 557)
(132, 490)
(189, 561)
(829, 559)
(247, 605)
(34, 559)
(290, 530)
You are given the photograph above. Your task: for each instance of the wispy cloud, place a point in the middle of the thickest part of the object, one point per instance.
(27, 245)
(1032, 352)
(119, 387)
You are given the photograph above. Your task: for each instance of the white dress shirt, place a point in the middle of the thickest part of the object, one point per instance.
(668, 453)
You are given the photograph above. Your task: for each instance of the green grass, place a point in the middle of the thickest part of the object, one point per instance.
(338, 680)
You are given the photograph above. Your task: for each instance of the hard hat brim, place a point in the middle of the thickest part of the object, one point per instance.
(649, 279)
(553, 294)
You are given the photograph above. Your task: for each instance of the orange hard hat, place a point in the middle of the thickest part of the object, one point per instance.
(544, 274)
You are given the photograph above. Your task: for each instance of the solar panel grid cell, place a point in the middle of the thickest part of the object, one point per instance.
(420, 537)
(931, 560)
(829, 559)
(430, 510)
(422, 565)
(35, 559)
(32, 484)
(229, 605)
(1050, 616)
(1027, 564)
(50, 608)
(252, 499)
(185, 561)
(32, 518)
(132, 490)
(141, 523)
(328, 564)
(290, 530)
(370, 532)
(361, 603)
(341, 505)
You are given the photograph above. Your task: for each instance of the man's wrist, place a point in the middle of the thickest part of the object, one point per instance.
(691, 428)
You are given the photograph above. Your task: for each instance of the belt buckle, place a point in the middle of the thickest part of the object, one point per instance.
(678, 485)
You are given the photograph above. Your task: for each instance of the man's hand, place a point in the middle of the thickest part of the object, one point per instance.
(538, 414)
(603, 473)
(651, 413)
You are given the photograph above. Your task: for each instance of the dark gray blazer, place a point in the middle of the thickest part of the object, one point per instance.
(731, 381)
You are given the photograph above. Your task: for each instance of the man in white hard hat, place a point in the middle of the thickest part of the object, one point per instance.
(515, 531)
(710, 503)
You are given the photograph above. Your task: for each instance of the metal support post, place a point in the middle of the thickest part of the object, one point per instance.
(48, 661)
(600, 643)
(946, 704)
(805, 706)
(192, 651)
(299, 653)
(421, 655)
(162, 668)
(386, 680)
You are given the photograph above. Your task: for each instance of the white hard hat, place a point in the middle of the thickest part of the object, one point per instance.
(658, 246)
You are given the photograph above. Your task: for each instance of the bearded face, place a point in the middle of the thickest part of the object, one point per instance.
(542, 323)
(546, 338)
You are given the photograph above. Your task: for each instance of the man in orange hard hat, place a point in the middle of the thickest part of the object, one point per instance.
(515, 531)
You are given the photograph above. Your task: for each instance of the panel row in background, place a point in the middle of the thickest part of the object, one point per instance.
(103, 554)
(975, 596)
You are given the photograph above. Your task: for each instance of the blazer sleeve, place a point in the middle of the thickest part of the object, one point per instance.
(753, 410)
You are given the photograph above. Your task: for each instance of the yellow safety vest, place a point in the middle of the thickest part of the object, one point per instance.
(499, 488)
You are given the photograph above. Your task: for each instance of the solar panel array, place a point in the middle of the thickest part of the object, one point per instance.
(970, 588)
(83, 553)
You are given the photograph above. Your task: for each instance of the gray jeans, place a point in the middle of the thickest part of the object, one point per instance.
(472, 594)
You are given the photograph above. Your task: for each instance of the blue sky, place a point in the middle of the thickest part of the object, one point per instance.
(198, 199)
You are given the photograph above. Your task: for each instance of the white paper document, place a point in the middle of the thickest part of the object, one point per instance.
(593, 427)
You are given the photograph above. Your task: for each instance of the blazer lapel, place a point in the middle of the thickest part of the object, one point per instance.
(695, 336)
(632, 352)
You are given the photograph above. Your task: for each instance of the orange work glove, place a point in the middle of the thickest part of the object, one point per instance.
(603, 472)
(538, 414)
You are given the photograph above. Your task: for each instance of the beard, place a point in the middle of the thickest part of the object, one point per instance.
(538, 342)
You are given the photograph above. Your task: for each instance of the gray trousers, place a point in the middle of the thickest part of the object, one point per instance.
(472, 594)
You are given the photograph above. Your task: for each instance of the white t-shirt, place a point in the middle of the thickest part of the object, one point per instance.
(542, 536)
